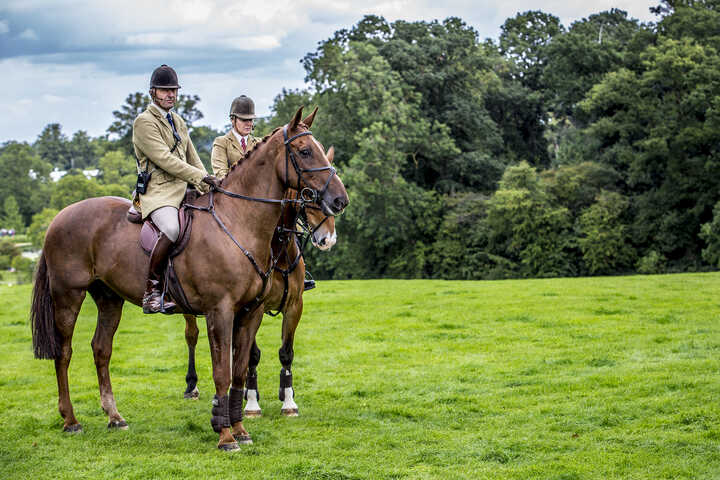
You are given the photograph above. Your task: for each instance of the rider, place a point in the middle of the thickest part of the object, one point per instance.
(164, 149)
(231, 148)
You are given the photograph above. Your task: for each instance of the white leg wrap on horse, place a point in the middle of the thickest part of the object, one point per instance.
(252, 407)
(289, 407)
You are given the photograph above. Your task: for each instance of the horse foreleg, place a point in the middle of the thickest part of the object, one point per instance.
(286, 393)
(252, 395)
(109, 306)
(220, 331)
(246, 326)
(191, 338)
(67, 307)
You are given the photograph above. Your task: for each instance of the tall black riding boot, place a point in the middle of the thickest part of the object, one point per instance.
(153, 298)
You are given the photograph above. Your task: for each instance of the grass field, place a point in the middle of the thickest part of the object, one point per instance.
(591, 378)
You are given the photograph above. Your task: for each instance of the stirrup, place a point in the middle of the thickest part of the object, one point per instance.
(309, 282)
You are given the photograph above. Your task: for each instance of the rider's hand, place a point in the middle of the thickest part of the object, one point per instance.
(212, 181)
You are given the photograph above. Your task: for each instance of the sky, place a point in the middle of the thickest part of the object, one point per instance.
(75, 61)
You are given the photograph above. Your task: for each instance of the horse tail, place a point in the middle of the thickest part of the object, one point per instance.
(46, 339)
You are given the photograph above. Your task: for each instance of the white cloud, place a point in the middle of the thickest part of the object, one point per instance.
(28, 34)
(4, 27)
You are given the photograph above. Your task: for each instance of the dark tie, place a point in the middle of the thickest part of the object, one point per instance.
(172, 124)
(242, 141)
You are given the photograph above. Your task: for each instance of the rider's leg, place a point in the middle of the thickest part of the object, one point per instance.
(166, 219)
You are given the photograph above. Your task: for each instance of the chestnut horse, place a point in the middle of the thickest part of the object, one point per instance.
(285, 296)
(91, 247)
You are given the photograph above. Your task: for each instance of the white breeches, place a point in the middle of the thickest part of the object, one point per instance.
(166, 219)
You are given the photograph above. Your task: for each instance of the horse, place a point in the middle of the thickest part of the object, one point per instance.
(91, 247)
(285, 296)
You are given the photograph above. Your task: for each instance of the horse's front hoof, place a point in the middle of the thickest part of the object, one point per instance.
(229, 447)
(243, 439)
(76, 428)
(252, 413)
(194, 395)
(117, 425)
(290, 412)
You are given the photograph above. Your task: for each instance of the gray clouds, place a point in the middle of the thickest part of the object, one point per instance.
(73, 62)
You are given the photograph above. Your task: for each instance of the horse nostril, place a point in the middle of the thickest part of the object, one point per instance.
(339, 204)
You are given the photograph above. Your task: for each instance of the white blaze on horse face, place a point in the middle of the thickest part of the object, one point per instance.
(323, 238)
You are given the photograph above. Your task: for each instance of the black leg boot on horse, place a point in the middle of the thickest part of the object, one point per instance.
(153, 300)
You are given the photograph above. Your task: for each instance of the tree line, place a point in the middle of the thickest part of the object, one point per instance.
(591, 149)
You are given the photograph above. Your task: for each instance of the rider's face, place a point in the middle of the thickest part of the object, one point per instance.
(243, 127)
(166, 97)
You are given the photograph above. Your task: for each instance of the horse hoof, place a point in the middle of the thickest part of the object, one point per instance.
(194, 395)
(243, 439)
(253, 413)
(117, 424)
(77, 428)
(290, 412)
(229, 447)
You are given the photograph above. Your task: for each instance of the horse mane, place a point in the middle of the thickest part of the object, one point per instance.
(264, 140)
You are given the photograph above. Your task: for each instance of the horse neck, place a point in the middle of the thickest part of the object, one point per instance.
(254, 177)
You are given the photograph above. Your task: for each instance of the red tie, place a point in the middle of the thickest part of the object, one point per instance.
(242, 141)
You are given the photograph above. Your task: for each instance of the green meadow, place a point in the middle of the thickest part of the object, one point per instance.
(567, 379)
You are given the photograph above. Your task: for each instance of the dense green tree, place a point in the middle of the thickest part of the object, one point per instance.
(203, 138)
(605, 236)
(39, 225)
(53, 147)
(11, 217)
(524, 40)
(526, 228)
(660, 129)
(73, 188)
(81, 151)
(116, 167)
(710, 234)
(579, 59)
(24, 175)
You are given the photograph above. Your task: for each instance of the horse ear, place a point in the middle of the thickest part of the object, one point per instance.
(296, 119)
(330, 153)
(309, 119)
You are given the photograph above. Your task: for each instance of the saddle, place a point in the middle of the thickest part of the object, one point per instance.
(149, 234)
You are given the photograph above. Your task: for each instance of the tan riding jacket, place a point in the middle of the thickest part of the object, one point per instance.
(171, 172)
(227, 151)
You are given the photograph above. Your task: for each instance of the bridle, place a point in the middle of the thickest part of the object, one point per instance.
(315, 196)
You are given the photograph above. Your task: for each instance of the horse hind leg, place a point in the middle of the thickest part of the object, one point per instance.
(286, 392)
(109, 306)
(252, 395)
(191, 338)
(67, 306)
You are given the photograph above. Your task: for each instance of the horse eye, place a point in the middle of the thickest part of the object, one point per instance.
(305, 152)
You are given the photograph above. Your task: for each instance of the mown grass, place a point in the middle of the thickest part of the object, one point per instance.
(568, 379)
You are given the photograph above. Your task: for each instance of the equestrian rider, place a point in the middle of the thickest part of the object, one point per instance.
(231, 148)
(164, 149)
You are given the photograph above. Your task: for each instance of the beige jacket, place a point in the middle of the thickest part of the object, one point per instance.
(171, 172)
(227, 151)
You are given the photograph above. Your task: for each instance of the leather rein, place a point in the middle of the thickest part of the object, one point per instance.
(301, 200)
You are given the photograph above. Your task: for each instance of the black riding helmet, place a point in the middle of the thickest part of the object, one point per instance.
(164, 77)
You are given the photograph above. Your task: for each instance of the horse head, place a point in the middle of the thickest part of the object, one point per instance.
(307, 167)
(320, 226)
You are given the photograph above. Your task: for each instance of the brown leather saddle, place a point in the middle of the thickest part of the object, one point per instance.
(149, 235)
